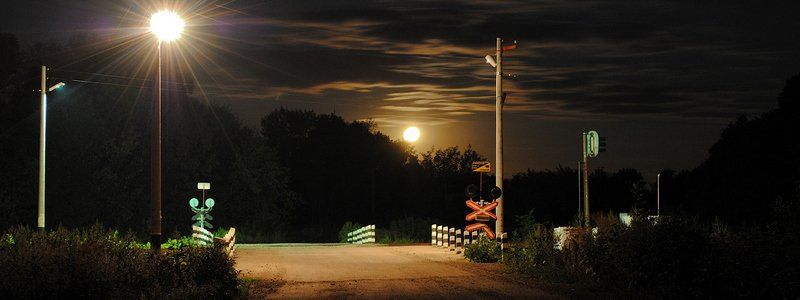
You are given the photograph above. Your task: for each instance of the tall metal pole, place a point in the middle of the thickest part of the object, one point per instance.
(155, 165)
(658, 195)
(578, 171)
(499, 134)
(42, 155)
(480, 185)
(585, 184)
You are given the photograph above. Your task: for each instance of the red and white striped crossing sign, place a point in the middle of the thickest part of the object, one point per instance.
(481, 213)
(481, 226)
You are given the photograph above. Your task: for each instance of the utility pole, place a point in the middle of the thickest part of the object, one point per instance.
(500, 97)
(580, 182)
(658, 195)
(585, 183)
(498, 91)
(42, 154)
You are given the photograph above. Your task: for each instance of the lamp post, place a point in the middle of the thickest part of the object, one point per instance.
(42, 144)
(167, 26)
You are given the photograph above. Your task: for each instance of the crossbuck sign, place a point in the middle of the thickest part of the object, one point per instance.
(481, 213)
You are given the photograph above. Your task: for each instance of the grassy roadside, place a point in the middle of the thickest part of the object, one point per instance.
(673, 257)
(99, 263)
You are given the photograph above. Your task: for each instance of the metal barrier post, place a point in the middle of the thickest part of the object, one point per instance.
(439, 235)
(459, 242)
(433, 235)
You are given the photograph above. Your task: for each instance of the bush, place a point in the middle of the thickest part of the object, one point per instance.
(485, 250)
(534, 252)
(671, 257)
(97, 263)
(674, 257)
(536, 255)
(179, 243)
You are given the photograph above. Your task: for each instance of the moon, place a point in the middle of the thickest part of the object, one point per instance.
(411, 134)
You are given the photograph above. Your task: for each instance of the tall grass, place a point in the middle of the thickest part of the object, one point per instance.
(673, 257)
(97, 263)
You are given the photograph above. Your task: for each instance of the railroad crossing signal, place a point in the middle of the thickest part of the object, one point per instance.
(495, 193)
(481, 213)
(201, 213)
(481, 226)
(595, 144)
(471, 191)
(591, 143)
(602, 146)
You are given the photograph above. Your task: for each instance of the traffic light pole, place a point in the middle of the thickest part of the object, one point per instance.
(585, 183)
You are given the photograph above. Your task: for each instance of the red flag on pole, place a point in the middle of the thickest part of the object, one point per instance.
(510, 47)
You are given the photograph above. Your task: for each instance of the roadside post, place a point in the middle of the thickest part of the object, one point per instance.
(592, 145)
(433, 235)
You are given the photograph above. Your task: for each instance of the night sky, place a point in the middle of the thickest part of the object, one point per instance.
(660, 79)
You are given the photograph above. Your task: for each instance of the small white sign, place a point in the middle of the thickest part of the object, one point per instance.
(203, 185)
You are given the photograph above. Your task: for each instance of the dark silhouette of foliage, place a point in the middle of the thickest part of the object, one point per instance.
(676, 256)
(95, 263)
(98, 153)
(755, 162)
(362, 175)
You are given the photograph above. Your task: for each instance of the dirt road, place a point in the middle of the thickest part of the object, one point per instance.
(375, 271)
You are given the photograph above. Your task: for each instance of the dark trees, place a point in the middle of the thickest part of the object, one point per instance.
(754, 163)
(98, 143)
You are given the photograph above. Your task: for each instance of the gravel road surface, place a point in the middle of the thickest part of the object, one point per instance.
(378, 272)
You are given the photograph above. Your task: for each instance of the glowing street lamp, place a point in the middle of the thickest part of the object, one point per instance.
(167, 26)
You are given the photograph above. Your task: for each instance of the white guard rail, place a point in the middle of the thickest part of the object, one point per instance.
(362, 235)
(204, 237)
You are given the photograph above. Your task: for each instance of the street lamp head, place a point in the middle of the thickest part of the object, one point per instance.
(166, 25)
(56, 86)
(490, 60)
